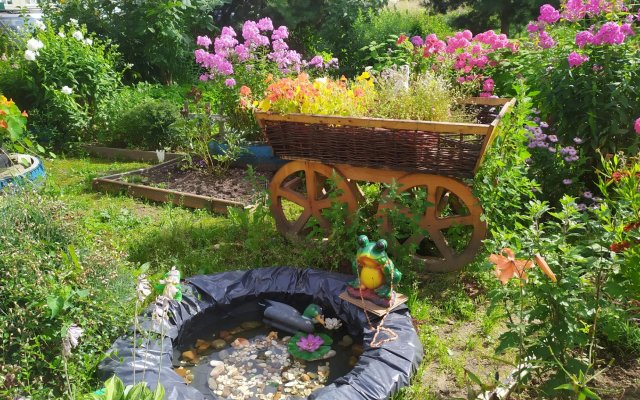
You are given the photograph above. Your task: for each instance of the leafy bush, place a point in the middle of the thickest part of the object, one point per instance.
(372, 33)
(66, 75)
(13, 136)
(584, 62)
(51, 279)
(156, 37)
(139, 122)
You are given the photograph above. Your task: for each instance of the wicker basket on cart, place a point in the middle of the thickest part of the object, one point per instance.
(439, 148)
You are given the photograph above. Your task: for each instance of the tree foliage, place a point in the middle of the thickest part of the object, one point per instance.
(485, 15)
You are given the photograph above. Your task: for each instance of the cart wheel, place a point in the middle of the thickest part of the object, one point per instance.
(305, 184)
(439, 216)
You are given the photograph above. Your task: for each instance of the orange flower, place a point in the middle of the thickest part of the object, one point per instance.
(245, 90)
(3, 124)
(24, 113)
(545, 267)
(507, 266)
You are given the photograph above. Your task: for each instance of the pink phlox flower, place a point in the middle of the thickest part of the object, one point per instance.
(243, 52)
(279, 45)
(533, 27)
(610, 33)
(310, 343)
(203, 41)
(545, 40)
(204, 77)
(637, 126)
(548, 14)
(265, 24)
(584, 38)
(230, 82)
(252, 36)
(224, 44)
(417, 41)
(627, 30)
(576, 59)
(316, 62)
(228, 31)
(281, 33)
(488, 85)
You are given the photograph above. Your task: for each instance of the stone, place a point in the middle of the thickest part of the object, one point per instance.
(202, 345)
(215, 363)
(190, 356)
(273, 335)
(240, 343)
(305, 378)
(353, 360)
(218, 344)
(224, 335)
(346, 341)
(251, 325)
(182, 372)
(223, 354)
(216, 371)
(330, 353)
(226, 392)
(357, 350)
(213, 385)
(236, 330)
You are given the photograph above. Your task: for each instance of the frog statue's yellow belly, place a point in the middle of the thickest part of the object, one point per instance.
(371, 275)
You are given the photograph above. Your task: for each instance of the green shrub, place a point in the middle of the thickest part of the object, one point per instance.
(51, 279)
(144, 124)
(378, 30)
(62, 77)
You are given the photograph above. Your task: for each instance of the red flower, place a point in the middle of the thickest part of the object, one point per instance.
(616, 176)
(619, 247)
(632, 226)
(24, 113)
(245, 90)
(401, 39)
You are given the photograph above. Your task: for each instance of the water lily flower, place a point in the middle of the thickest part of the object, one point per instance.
(507, 266)
(310, 343)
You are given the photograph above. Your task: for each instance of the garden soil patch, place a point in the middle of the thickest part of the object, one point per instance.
(233, 185)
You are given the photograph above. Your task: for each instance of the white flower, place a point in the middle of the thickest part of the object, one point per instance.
(66, 90)
(173, 276)
(117, 10)
(332, 323)
(39, 25)
(160, 311)
(29, 55)
(70, 341)
(77, 35)
(73, 21)
(61, 34)
(170, 290)
(322, 80)
(88, 41)
(143, 288)
(34, 44)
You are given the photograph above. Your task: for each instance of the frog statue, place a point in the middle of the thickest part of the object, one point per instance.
(375, 272)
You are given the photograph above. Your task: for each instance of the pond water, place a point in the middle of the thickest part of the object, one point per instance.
(233, 355)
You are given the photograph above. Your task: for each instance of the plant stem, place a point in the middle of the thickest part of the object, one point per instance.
(66, 375)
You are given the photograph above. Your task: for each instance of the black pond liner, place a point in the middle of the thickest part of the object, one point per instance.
(379, 373)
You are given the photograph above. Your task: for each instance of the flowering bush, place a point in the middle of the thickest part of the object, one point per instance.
(583, 59)
(466, 58)
(13, 128)
(230, 64)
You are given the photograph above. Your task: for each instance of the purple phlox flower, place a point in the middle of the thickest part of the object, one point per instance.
(576, 59)
(281, 33)
(636, 126)
(333, 63)
(577, 140)
(552, 149)
(417, 41)
(536, 119)
(567, 181)
(265, 24)
(310, 343)
(228, 31)
(316, 62)
(544, 124)
(581, 207)
(230, 82)
(548, 14)
(553, 138)
(535, 111)
(203, 41)
(587, 195)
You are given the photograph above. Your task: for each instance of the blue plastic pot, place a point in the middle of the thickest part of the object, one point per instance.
(259, 155)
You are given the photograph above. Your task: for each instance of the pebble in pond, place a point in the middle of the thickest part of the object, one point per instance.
(261, 369)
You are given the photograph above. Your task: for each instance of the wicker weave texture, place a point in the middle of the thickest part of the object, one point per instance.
(452, 155)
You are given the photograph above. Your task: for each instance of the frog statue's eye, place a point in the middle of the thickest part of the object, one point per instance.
(363, 240)
(381, 245)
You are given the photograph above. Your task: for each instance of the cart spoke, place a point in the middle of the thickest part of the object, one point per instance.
(294, 197)
(301, 222)
(446, 222)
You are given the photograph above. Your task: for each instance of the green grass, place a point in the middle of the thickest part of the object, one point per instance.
(118, 231)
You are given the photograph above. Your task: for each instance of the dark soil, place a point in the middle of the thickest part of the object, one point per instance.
(233, 185)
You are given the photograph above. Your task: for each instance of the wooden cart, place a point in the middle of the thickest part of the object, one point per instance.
(419, 160)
